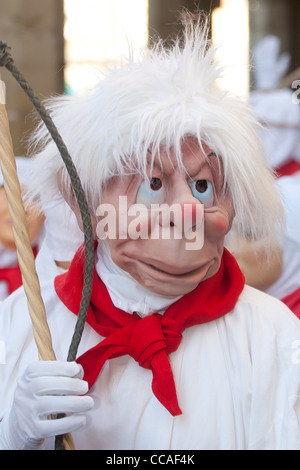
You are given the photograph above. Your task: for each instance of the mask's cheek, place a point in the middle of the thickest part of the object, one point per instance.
(217, 223)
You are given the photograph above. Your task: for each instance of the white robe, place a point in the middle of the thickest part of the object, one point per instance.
(289, 280)
(237, 380)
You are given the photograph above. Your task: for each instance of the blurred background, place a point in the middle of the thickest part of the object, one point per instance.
(61, 46)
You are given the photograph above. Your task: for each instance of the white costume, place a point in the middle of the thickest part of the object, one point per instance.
(62, 238)
(232, 392)
(289, 280)
(281, 140)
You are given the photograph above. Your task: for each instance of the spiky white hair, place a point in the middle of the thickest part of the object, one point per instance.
(169, 93)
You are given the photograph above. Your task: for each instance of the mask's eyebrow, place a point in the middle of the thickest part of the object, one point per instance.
(211, 154)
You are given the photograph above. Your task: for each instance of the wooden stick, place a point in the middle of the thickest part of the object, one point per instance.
(26, 258)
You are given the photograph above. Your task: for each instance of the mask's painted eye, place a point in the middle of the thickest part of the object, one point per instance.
(203, 191)
(155, 184)
(151, 192)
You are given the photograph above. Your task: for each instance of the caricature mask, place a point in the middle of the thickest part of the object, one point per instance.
(168, 254)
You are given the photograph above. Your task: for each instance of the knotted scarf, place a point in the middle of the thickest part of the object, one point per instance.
(149, 340)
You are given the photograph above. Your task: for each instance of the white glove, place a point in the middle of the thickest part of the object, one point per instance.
(269, 67)
(46, 388)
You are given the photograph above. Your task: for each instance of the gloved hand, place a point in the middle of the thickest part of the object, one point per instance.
(269, 66)
(45, 388)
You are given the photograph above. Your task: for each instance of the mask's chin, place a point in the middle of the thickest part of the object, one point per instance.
(167, 280)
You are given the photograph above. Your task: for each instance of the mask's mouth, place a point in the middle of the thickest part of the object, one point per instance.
(173, 271)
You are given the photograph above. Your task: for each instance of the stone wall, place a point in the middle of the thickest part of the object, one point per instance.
(34, 31)
(163, 14)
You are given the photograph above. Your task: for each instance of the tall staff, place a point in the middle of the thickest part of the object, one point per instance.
(25, 254)
(6, 60)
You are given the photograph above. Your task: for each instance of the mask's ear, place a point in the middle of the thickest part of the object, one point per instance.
(67, 192)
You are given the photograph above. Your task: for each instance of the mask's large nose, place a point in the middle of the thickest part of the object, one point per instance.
(188, 211)
(184, 221)
(184, 215)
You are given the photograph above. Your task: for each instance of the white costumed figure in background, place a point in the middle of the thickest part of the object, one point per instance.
(280, 116)
(177, 352)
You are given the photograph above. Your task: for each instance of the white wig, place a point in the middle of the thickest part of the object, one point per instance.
(169, 93)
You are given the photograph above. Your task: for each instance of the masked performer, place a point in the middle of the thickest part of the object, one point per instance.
(177, 352)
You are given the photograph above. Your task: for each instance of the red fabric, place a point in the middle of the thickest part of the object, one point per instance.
(151, 339)
(289, 168)
(12, 276)
(293, 302)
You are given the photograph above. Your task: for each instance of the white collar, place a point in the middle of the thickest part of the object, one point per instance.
(125, 292)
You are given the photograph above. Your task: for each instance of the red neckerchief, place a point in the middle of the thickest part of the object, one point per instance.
(151, 339)
(288, 169)
(13, 276)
